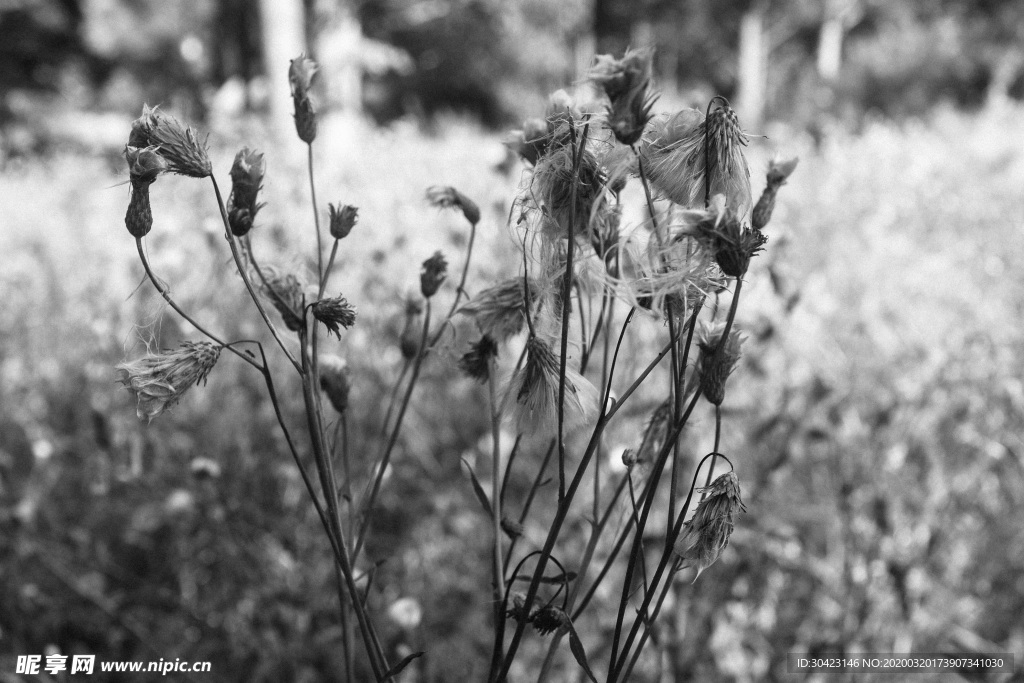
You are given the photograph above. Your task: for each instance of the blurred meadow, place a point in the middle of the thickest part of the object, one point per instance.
(876, 417)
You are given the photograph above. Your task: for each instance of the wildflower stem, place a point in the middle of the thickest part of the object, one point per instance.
(498, 578)
(327, 272)
(245, 277)
(508, 465)
(647, 194)
(177, 309)
(370, 498)
(316, 214)
(460, 290)
(528, 503)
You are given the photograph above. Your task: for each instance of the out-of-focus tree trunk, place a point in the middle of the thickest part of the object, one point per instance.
(753, 57)
(340, 46)
(284, 37)
(839, 15)
(611, 28)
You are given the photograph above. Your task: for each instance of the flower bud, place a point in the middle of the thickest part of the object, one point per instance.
(300, 76)
(145, 163)
(139, 218)
(342, 218)
(477, 361)
(708, 531)
(334, 313)
(246, 182)
(717, 360)
(450, 198)
(434, 272)
(178, 144)
(334, 382)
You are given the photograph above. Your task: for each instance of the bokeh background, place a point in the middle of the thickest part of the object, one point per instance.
(876, 420)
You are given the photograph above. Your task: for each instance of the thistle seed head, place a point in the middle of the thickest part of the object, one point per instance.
(178, 144)
(144, 163)
(433, 273)
(627, 82)
(334, 381)
(300, 77)
(717, 360)
(246, 182)
(334, 314)
(719, 231)
(450, 198)
(707, 533)
(477, 361)
(159, 380)
(553, 180)
(500, 311)
(534, 392)
(342, 219)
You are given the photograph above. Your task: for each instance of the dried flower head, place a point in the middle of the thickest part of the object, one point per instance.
(627, 82)
(144, 163)
(433, 273)
(656, 432)
(159, 380)
(334, 314)
(719, 230)
(342, 219)
(334, 381)
(285, 291)
(477, 361)
(409, 340)
(549, 619)
(553, 181)
(177, 143)
(778, 172)
(531, 142)
(707, 533)
(518, 611)
(688, 158)
(500, 311)
(717, 360)
(666, 274)
(139, 217)
(300, 76)
(450, 198)
(246, 182)
(534, 392)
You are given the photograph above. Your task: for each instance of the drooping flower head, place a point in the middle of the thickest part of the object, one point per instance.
(533, 392)
(627, 82)
(144, 165)
(178, 144)
(477, 361)
(690, 158)
(720, 232)
(433, 273)
(342, 219)
(778, 172)
(707, 533)
(159, 380)
(334, 381)
(717, 360)
(300, 77)
(246, 182)
(450, 198)
(334, 314)
(500, 311)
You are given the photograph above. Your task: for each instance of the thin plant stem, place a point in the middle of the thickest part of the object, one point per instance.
(327, 271)
(497, 566)
(316, 214)
(508, 466)
(460, 290)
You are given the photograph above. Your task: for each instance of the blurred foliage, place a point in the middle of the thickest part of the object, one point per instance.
(875, 423)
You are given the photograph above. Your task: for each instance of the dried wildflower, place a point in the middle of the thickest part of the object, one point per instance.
(177, 143)
(717, 360)
(477, 361)
(518, 611)
(409, 340)
(285, 291)
(433, 273)
(139, 217)
(720, 232)
(534, 391)
(450, 198)
(500, 311)
(778, 172)
(604, 233)
(246, 182)
(144, 163)
(707, 533)
(627, 82)
(342, 218)
(553, 181)
(511, 527)
(334, 381)
(531, 142)
(300, 76)
(688, 158)
(656, 432)
(334, 313)
(549, 619)
(159, 380)
(666, 275)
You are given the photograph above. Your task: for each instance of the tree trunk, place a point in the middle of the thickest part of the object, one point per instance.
(284, 37)
(830, 48)
(750, 96)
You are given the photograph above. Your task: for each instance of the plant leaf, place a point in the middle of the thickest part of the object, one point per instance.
(579, 652)
(397, 668)
(479, 490)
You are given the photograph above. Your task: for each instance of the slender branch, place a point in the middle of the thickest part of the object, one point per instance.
(460, 290)
(316, 214)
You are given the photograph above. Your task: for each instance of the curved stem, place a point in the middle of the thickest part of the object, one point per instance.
(460, 290)
(177, 309)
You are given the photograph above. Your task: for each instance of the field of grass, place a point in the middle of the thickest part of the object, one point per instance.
(875, 420)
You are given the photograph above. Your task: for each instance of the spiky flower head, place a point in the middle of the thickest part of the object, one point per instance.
(334, 381)
(719, 231)
(144, 163)
(707, 533)
(159, 380)
(689, 158)
(342, 219)
(627, 82)
(500, 311)
(177, 143)
(477, 361)
(450, 198)
(334, 314)
(433, 273)
(300, 77)
(549, 619)
(284, 291)
(778, 172)
(717, 360)
(246, 182)
(534, 392)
